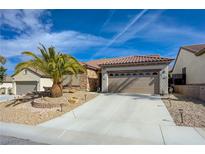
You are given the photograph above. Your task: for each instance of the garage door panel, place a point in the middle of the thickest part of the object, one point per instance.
(136, 84)
(24, 87)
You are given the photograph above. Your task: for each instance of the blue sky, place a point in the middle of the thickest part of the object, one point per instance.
(94, 34)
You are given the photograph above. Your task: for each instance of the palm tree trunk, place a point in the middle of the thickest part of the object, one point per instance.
(60, 85)
(56, 90)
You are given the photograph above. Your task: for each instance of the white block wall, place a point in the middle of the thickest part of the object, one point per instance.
(45, 82)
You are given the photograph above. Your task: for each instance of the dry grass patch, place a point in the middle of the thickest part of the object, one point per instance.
(193, 110)
(24, 113)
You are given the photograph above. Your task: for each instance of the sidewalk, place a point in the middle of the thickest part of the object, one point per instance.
(7, 140)
(168, 135)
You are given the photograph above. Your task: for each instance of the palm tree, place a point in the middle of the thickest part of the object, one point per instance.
(53, 64)
(2, 60)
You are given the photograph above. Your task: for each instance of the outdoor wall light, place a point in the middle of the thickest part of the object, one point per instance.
(181, 115)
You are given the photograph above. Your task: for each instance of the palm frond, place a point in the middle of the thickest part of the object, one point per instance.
(31, 54)
(2, 60)
(52, 63)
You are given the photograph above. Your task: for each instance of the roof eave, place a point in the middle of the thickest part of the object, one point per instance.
(91, 67)
(201, 52)
(138, 64)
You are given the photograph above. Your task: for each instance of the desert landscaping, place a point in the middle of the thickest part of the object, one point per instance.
(185, 111)
(36, 111)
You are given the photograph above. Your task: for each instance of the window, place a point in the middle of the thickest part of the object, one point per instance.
(184, 75)
(25, 72)
(184, 70)
(128, 74)
(116, 74)
(122, 74)
(147, 73)
(154, 73)
(111, 74)
(141, 74)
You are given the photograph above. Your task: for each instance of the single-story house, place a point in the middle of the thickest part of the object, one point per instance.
(135, 74)
(132, 74)
(189, 71)
(6, 87)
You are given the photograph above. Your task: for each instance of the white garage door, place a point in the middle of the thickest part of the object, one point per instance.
(24, 87)
(146, 82)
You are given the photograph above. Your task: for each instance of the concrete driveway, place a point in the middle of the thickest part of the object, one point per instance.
(110, 119)
(130, 116)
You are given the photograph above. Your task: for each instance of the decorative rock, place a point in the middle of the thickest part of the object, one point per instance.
(49, 102)
(73, 100)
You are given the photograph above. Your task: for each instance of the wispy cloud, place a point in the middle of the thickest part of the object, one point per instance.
(172, 33)
(107, 20)
(148, 32)
(64, 41)
(24, 21)
(118, 52)
(133, 21)
(32, 31)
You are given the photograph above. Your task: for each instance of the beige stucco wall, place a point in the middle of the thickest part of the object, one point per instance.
(195, 67)
(163, 75)
(6, 86)
(195, 91)
(30, 76)
(45, 82)
(92, 73)
(92, 80)
(163, 80)
(73, 80)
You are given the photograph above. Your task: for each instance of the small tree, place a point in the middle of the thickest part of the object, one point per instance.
(2, 69)
(2, 73)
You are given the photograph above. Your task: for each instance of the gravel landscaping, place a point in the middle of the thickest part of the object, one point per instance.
(25, 113)
(192, 110)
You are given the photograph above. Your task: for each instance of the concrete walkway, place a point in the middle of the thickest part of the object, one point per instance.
(111, 119)
(4, 98)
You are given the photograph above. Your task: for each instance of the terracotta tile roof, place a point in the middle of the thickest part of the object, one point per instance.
(150, 59)
(196, 49)
(85, 64)
(96, 63)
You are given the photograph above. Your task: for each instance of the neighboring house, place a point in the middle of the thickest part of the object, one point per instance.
(132, 74)
(189, 71)
(30, 80)
(7, 86)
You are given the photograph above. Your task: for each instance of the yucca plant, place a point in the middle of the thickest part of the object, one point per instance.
(53, 64)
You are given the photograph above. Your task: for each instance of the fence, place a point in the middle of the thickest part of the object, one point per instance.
(195, 91)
